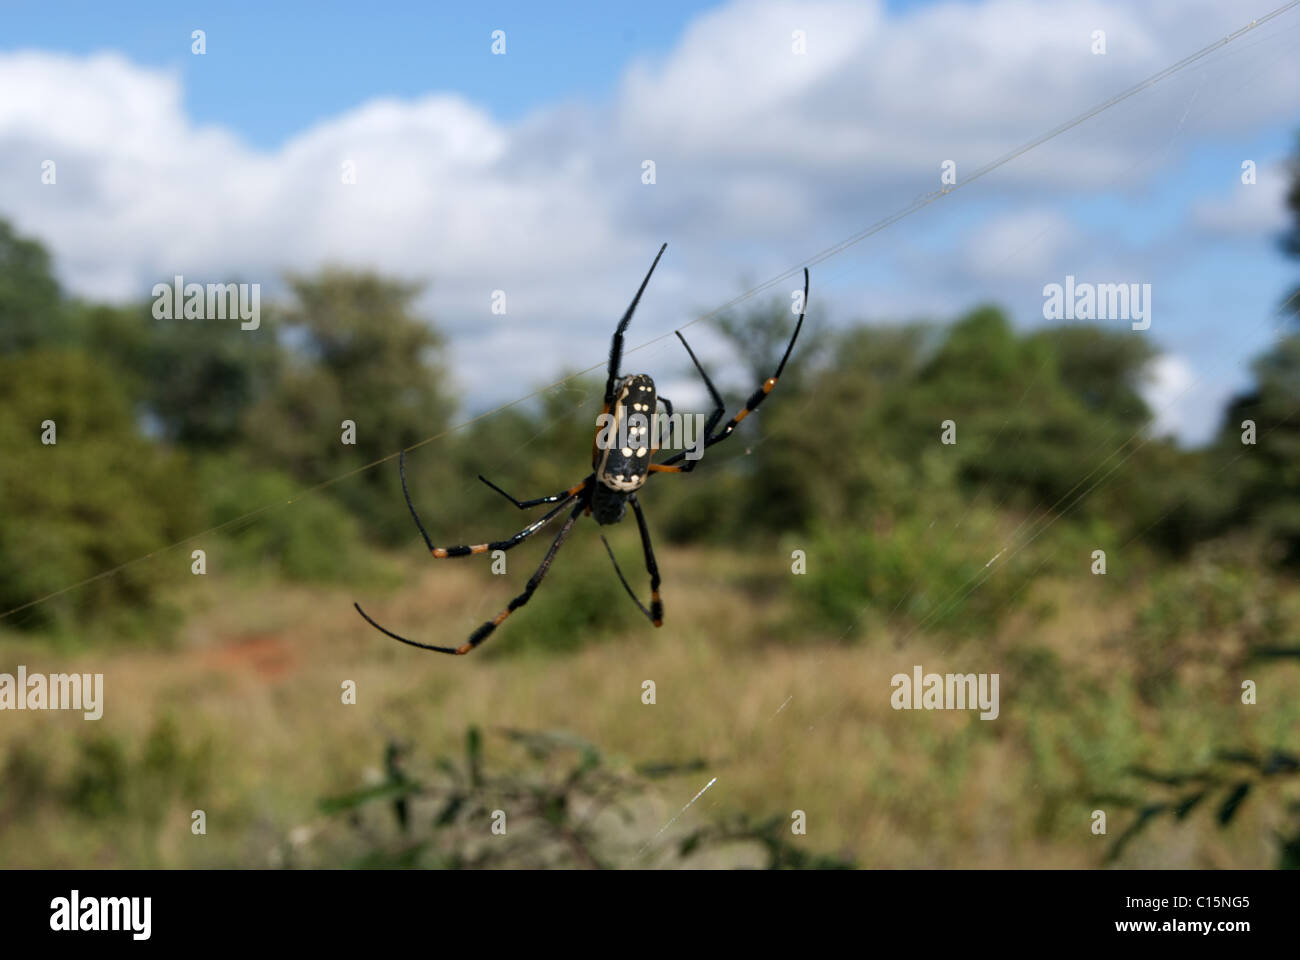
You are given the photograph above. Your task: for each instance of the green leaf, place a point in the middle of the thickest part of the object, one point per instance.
(405, 859)
(1243, 757)
(555, 809)
(1189, 804)
(358, 798)
(1114, 800)
(1274, 653)
(690, 843)
(448, 813)
(1289, 853)
(656, 769)
(1144, 817)
(1279, 762)
(1233, 802)
(474, 755)
(1175, 779)
(590, 760)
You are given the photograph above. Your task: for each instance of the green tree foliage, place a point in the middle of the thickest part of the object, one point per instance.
(1034, 413)
(1265, 475)
(101, 495)
(202, 377)
(358, 352)
(852, 459)
(31, 307)
(1291, 238)
(311, 538)
(168, 426)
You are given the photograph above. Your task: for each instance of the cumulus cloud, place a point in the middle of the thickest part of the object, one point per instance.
(1257, 209)
(1185, 404)
(763, 156)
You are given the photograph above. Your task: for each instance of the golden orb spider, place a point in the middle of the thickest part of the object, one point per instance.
(618, 471)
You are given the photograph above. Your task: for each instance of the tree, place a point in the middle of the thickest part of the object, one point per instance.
(99, 496)
(357, 352)
(1266, 474)
(31, 306)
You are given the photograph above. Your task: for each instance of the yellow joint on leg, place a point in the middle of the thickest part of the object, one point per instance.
(741, 416)
(496, 621)
(466, 648)
(440, 553)
(479, 548)
(769, 384)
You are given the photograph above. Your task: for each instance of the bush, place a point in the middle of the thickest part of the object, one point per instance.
(100, 496)
(913, 564)
(313, 538)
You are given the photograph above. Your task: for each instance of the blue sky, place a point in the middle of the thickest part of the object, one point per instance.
(273, 69)
(522, 172)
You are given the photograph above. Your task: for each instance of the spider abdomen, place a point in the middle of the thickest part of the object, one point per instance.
(624, 441)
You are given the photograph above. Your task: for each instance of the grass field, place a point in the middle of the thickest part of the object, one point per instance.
(243, 718)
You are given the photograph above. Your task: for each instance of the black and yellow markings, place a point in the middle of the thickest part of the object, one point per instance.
(595, 440)
(623, 469)
(442, 553)
(768, 386)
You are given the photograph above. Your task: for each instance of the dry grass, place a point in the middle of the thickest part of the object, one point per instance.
(786, 722)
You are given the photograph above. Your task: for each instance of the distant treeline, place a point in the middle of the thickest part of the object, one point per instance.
(166, 427)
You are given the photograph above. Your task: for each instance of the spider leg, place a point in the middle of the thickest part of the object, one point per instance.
(482, 633)
(757, 397)
(464, 550)
(719, 408)
(440, 553)
(616, 345)
(669, 405)
(538, 501)
(656, 612)
(386, 631)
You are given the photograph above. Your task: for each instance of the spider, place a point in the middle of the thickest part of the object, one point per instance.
(617, 473)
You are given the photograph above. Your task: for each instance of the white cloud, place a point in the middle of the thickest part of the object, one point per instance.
(763, 157)
(1257, 209)
(1185, 404)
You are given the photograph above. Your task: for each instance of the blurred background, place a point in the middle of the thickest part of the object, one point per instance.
(387, 183)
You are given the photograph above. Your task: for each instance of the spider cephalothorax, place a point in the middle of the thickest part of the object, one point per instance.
(621, 460)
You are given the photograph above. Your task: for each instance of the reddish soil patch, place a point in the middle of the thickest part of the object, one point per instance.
(263, 654)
